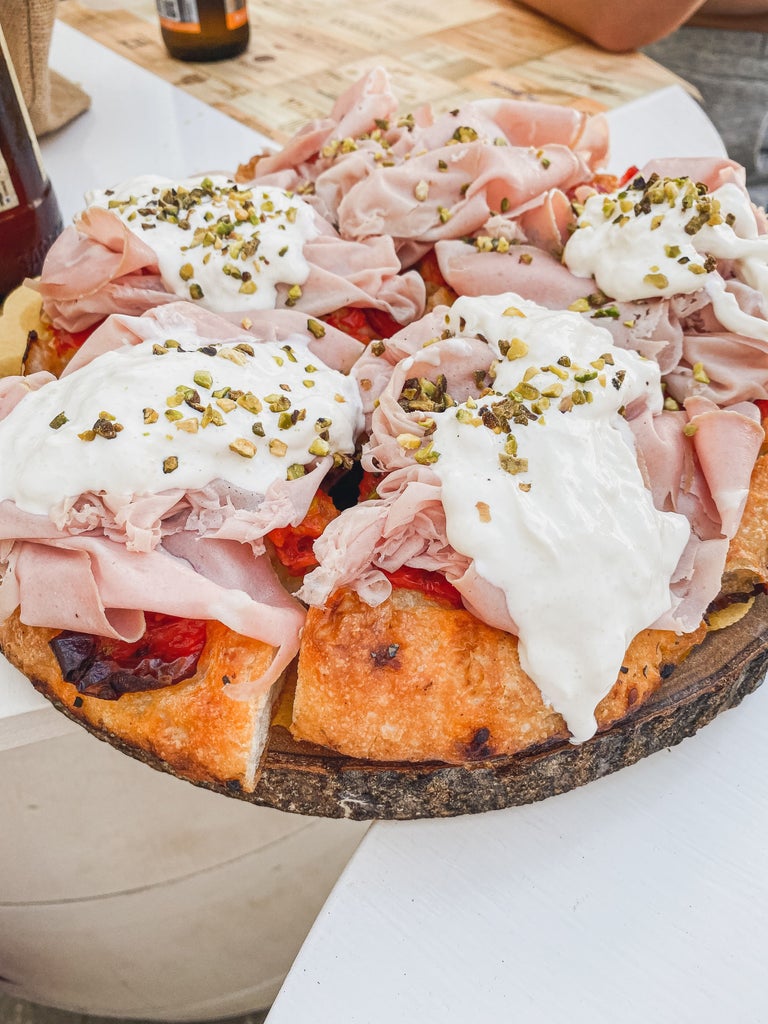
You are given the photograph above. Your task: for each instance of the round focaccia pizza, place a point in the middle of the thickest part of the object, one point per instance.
(499, 524)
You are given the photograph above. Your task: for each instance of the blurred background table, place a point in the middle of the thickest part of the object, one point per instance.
(304, 53)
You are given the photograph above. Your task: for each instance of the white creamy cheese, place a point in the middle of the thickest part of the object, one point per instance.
(559, 518)
(664, 239)
(224, 245)
(292, 410)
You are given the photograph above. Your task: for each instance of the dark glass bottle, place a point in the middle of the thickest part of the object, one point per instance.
(204, 29)
(30, 219)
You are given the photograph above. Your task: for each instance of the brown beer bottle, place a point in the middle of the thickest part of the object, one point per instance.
(204, 29)
(30, 220)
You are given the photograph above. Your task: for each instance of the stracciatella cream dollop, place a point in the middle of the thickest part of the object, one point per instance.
(664, 237)
(176, 413)
(553, 511)
(224, 245)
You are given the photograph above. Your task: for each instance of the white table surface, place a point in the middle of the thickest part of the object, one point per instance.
(641, 897)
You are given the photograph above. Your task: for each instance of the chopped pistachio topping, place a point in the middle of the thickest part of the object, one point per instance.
(108, 429)
(211, 416)
(427, 455)
(656, 280)
(251, 403)
(464, 134)
(511, 464)
(409, 441)
(203, 379)
(233, 355)
(242, 446)
(516, 350)
(319, 447)
(421, 190)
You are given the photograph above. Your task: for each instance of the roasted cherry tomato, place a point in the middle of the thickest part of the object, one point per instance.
(433, 584)
(67, 342)
(166, 654)
(165, 639)
(365, 325)
(611, 183)
(367, 488)
(293, 544)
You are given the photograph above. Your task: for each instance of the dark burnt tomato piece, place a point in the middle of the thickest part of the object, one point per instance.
(433, 584)
(166, 654)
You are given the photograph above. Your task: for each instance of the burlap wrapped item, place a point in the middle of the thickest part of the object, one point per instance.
(51, 99)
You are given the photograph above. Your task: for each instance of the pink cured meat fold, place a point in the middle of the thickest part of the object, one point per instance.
(337, 349)
(99, 561)
(423, 177)
(678, 333)
(99, 266)
(704, 474)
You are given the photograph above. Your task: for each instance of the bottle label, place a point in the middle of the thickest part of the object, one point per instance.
(183, 15)
(236, 13)
(8, 197)
(179, 15)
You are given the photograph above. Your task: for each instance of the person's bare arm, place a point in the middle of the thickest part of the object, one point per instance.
(619, 25)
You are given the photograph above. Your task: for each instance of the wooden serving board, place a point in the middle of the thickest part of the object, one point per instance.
(305, 779)
(730, 664)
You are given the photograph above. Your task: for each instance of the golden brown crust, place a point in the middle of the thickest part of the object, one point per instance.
(195, 728)
(414, 680)
(747, 564)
